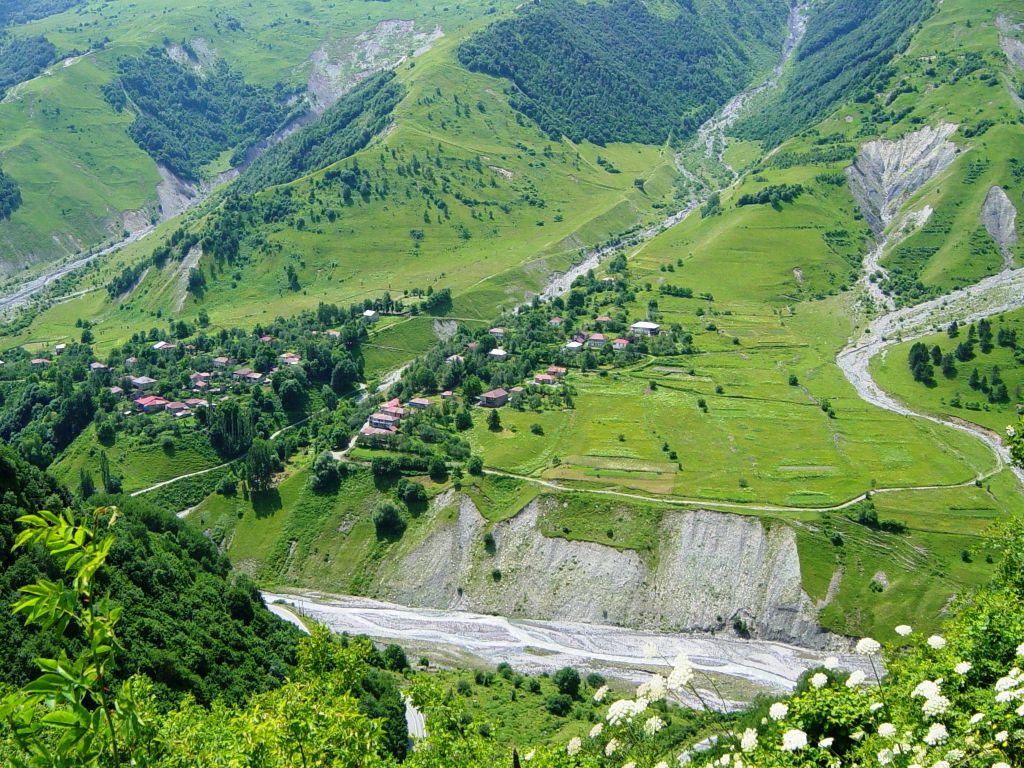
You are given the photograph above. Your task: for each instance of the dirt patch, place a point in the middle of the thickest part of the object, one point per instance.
(135, 221)
(445, 329)
(338, 66)
(190, 261)
(505, 173)
(173, 194)
(886, 174)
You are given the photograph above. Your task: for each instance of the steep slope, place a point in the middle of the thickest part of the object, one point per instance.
(708, 572)
(189, 627)
(844, 54)
(619, 72)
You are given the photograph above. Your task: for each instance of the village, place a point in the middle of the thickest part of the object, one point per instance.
(385, 422)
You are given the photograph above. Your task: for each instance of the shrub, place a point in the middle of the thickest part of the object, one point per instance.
(558, 704)
(395, 658)
(325, 473)
(388, 522)
(567, 681)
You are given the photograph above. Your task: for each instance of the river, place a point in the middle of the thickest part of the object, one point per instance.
(740, 668)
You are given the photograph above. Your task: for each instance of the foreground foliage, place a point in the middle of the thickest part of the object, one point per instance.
(186, 625)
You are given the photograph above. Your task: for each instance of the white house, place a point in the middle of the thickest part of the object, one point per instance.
(645, 328)
(498, 354)
(370, 315)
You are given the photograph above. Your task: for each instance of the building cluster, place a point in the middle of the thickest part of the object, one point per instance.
(223, 377)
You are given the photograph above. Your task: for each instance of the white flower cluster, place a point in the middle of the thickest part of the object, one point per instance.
(681, 674)
(868, 646)
(935, 704)
(1011, 687)
(624, 710)
(936, 735)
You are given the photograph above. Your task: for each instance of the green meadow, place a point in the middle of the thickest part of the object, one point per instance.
(142, 459)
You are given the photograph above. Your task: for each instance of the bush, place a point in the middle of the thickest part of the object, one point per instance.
(567, 681)
(388, 522)
(559, 704)
(475, 465)
(395, 658)
(411, 493)
(228, 486)
(595, 680)
(385, 466)
(325, 472)
(437, 469)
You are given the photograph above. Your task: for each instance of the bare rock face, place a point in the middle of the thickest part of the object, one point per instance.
(887, 173)
(710, 572)
(999, 216)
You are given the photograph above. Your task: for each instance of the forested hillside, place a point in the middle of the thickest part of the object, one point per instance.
(20, 11)
(618, 72)
(844, 53)
(341, 131)
(188, 626)
(185, 119)
(22, 58)
(10, 196)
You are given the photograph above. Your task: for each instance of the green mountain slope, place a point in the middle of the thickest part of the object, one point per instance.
(189, 627)
(84, 180)
(621, 72)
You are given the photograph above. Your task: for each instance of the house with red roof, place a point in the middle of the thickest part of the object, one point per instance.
(382, 420)
(151, 403)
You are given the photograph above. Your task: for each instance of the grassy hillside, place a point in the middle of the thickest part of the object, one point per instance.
(950, 391)
(461, 193)
(68, 148)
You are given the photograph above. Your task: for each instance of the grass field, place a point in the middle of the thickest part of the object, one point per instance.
(141, 460)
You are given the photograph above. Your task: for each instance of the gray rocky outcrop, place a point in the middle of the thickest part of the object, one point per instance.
(707, 571)
(886, 174)
(999, 216)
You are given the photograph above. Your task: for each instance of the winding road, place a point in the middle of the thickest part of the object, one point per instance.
(993, 295)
